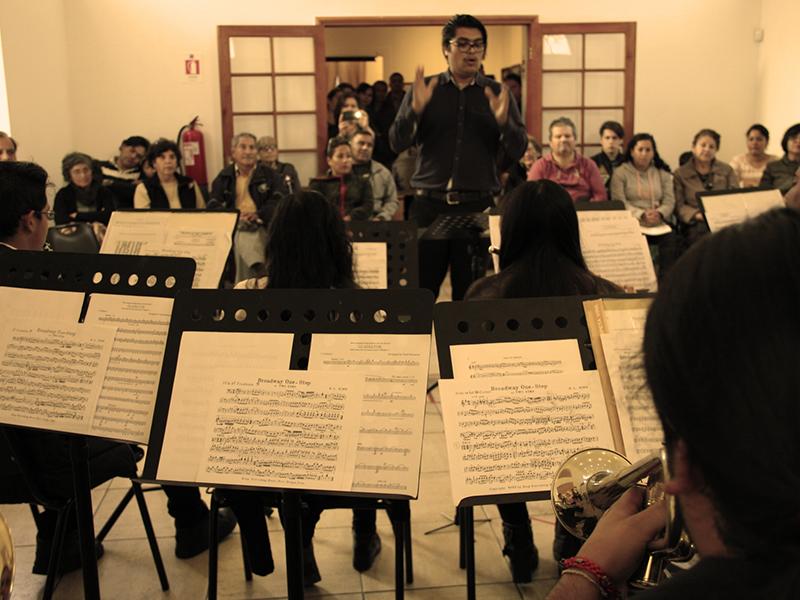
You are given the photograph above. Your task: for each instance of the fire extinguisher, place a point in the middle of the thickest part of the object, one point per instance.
(193, 152)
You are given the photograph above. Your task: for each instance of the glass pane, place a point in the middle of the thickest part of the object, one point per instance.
(251, 94)
(250, 55)
(295, 93)
(561, 89)
(258, 125)
(605, 89)
(550, 115)
(595, 118)
(605, 51)
(305, 163)
(562, 51)
(294, 55)
(297, 131)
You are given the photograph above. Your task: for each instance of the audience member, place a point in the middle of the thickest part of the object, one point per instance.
(83, 198)
(167, 188)
(352, 195)
(749, 167)
(333, 102)
(382, 116)
(8, 147)
(346, 88)
(643, 182)
(703, 173)
(268, 156)
(565, 165)
(397, 91)
(725, 388)
(384, 191)
(364, 93)
(514, 84)
(122, 173)
(518, 173)
(254, 190)
(783, 174)
(350, 116)
(612, 135)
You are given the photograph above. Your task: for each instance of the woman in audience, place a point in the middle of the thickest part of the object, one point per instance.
(351, 194)
(540, 256)
(350, 115)
(83, 198)
(725, 387)
(643, 182)
(703, 173)
(268, 155)
(518, 173)
(364, 93)
(749, 167)
(167, 188)
(784, 174)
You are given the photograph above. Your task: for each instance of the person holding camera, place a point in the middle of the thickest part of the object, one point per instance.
(351, 117)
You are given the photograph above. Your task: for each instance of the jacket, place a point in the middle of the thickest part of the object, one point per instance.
(266, 189)
(640, 191)
(66, 203)
(158, 198)
(688, 184)
(358, 195)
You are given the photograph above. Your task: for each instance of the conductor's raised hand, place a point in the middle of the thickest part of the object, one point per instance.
(421, 91)
(498, 103)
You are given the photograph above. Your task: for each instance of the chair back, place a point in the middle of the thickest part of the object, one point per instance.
(73, 237)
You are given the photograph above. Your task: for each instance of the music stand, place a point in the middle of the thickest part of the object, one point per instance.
(471, 227)
(88, 274)
(301, 314)
(400, 237)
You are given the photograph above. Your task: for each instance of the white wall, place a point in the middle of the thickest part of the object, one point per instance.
(83, 74)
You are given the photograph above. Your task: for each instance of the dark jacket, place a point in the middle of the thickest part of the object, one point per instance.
(606, 166)
(158, 198)
(358, 195)
(290, 181)
(266, 189)
(66, 202)
(780, 174)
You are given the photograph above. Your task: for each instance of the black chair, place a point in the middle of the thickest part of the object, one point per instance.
(73, 237)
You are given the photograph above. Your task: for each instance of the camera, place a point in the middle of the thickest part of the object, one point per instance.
(352, 115)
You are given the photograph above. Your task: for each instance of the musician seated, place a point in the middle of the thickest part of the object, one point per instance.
(720, 352)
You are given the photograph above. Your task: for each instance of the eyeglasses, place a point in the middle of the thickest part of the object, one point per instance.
(465, 45)
(268, 148)
(50, 214)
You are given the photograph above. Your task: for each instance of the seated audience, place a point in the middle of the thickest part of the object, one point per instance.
(167, 188)
(643, 182)
(122, 173)
(725, 387)
(612, 135)
(783, 174)
(749, 167)
(565, 165)
(83, 198)
(351, 194)
(268, 155)
(8, 147)
(254, 190)
(384, 191)
(518, 173)
(702, 173)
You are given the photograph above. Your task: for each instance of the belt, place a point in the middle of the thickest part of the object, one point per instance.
(453, 197)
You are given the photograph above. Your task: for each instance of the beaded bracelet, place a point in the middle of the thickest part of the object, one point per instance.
(586, 567)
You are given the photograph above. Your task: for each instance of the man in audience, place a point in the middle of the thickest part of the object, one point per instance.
(514, 84)
(611, 136)
(8, 147)
(123, 172)
(462, 121)
(254, 189)
(24, 220)
(268, 155)
(384, 190)
(566, 166)
(397, 91)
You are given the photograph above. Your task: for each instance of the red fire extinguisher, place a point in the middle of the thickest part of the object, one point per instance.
(193, 152)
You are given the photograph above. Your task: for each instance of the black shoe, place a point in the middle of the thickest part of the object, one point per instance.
(521, 552)
(310, 570)
(193, 540)
(565, 545)
(70, 554)
(365, 549)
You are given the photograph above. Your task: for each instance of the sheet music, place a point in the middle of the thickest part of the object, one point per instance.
(722, 210)
(479, 361)
(295, 429)
(208, 248)
(393, 410)
(21, 303)
(510, 434)
(128, 396)
(203, 359)
(641, 428)
(51, 372)
(615, 249)
(369, 265)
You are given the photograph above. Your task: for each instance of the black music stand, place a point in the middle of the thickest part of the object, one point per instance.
(104, 274)
(493, 321)
(402, 256)
(472, 227)
(302, 314)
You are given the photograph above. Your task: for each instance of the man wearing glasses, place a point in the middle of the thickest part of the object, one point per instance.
(464, 124)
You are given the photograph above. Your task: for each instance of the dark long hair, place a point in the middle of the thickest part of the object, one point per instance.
(658, 162)
(722, 343)
(307, 245)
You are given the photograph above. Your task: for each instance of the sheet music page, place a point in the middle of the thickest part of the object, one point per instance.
(19, 303)
(729, 209)
(51, 373)
(479, 361)
(615, 249)
(393, 409)
(283, 429)
(208, 247)
(641, 428)
(510, 434)
(139, 233)
(203, 359)
(125, 407)
(369, 265)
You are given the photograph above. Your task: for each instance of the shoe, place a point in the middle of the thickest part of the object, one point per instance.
(521, 552)
(565, 545)
(310, 570)
(70, 554)
(365, 550)
(193, 540)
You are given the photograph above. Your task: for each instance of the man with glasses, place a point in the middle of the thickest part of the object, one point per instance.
(467, 129)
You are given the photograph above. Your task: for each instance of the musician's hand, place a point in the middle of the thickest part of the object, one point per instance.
(623, 534)
(421, 91)
(499, 103)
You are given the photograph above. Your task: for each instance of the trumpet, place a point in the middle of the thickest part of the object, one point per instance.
(590, 481)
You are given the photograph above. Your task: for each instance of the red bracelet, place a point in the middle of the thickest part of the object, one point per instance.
(607, 587)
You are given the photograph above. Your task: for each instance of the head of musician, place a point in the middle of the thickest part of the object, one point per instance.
(24, 211)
